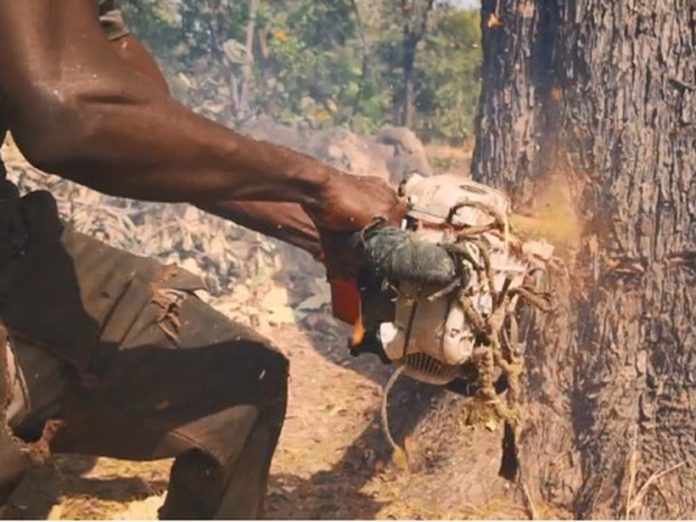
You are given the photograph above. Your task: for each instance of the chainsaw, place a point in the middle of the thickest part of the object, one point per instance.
(431, 287)
(438, 295)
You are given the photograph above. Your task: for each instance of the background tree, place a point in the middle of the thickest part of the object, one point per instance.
(597, 100)
(415, 23)
(232, 60)
(448, 84)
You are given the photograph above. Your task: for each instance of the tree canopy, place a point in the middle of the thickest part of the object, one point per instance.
(318, 62)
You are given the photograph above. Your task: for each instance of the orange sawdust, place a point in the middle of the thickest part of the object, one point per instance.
(551, 214)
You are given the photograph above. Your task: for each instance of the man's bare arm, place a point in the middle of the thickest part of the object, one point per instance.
(80, 112)
(285, 221)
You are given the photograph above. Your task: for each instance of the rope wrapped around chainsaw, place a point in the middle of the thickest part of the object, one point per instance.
(395, 255)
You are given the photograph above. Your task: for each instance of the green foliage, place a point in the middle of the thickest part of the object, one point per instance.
(310, 63)
(448, 76)
(315, 71)
(186, 28)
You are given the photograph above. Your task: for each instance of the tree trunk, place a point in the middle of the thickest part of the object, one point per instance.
(365, 50)
(249, 63)
(588, 119)
(410, 45)
(416, 16)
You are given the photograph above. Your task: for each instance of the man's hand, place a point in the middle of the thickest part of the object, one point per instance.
(356, 205)
(350, 203)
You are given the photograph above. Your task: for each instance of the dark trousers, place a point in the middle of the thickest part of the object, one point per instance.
(140, 368)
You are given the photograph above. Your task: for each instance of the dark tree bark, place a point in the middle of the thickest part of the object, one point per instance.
(588, 119)
(416, 13)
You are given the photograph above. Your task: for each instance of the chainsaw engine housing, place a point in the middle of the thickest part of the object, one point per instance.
(429, 334)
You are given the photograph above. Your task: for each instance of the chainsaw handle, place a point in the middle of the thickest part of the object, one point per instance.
(391, 254)
(395, 255)
(345, 299)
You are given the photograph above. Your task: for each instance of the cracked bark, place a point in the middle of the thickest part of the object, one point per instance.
(595, 100)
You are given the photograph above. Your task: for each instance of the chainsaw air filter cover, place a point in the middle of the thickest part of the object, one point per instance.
(430, 335)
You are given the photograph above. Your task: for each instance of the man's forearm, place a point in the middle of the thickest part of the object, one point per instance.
(284, 221)
(125, 141)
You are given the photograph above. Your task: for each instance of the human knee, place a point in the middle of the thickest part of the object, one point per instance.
(250, 372)
(274, 372)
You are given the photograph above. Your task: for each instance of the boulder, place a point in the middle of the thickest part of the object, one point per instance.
(391, 154)
(406, 153)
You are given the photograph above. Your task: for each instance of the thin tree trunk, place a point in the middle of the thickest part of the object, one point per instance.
(588, 119)
(249, 63)
(365, 50)
(416, 16)
(409, 49)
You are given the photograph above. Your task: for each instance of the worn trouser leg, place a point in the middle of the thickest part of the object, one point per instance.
(217, 402)
(150, 371)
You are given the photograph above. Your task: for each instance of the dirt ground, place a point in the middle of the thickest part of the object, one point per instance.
(332, 460)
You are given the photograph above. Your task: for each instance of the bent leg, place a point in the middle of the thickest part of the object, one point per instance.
(214, 397)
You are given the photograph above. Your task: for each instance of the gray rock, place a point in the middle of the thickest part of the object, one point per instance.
(407, 152)
(392, 154)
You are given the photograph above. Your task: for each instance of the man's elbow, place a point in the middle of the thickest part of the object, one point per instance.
(51, 130)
